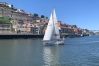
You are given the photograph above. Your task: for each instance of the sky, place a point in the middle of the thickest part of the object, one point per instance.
(83, 13)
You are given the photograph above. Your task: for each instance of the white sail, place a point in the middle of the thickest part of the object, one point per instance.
(56, 25)
(52, 34)
(49, 30)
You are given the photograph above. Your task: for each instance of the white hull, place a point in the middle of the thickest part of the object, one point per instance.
(54, 42)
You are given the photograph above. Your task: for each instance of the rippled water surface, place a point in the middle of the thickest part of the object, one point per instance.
(83, 51)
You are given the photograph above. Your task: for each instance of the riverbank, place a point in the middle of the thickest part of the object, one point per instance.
(27, 36)
(18, 36)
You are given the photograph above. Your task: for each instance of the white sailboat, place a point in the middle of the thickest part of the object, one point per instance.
(52, 34)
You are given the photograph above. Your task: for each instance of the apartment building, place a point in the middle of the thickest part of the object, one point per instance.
(19, 18)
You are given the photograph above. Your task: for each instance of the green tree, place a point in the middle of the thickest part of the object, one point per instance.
(75, 26)
(46, 17)
(35, 15)
(5, 20)
(42, 16)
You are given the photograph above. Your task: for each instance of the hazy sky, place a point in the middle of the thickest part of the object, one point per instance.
(83, 13)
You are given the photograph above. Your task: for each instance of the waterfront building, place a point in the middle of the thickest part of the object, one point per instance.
(65, 29)
(18, 17)
(39, 26)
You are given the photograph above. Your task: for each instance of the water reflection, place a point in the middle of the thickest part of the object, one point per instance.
(51, 55)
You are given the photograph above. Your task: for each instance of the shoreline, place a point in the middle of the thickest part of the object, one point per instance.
(29, 36)
(19, 36)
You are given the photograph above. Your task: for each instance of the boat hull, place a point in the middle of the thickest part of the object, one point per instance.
(54, 42)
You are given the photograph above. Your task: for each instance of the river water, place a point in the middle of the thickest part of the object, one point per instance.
(82, 51)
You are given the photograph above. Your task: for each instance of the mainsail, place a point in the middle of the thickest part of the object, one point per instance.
(49, 30)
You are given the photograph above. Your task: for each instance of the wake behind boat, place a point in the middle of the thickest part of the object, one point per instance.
(52, 34)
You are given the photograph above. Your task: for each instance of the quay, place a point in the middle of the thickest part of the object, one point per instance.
(30, 36)
(19, 36)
